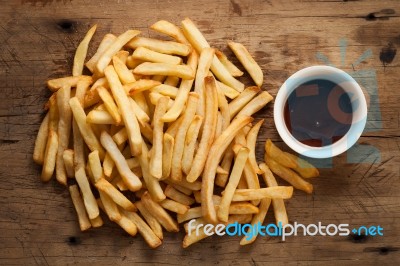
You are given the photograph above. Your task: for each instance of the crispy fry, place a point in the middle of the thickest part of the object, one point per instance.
(68, 158)
(205, 60)
(192, 213)
(251, 140)
(304, 168)
(72, 81)
(129, 118)
(81, 52)
(100, 117)
(122, 55)
(96, 222)
(233, 70)
(140, 85)
(85, 129)
(176, 167)
(208, 133)
(183, 92)
(226, 164)
(50, 156)
(172, 81)
(248, 62)
(228, 91)
(41, 141)
(166, 90)
(169, 29)
(84, 222)
(278, 204)
(107, 40)
(278, 192)
(289, 175)
(168, 149)
(144, 54)
(190, 143)
(182, 71)
(122, 70)
(119, 42)
(278, 155)
(174, 206)
(124, 222)
(88, 198)
(150, 219)
(214, 157)
(244, 98)
(155, 163)
(165, 47)
(242, 208)
(109, 104)
(256, 104)
(240, 161)
(174, 194)
(114, 194)
(110, 208)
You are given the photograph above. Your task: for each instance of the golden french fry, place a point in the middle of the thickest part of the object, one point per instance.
(169, 29)
(174, 126)
(160, 214)
(119, 42)
(41, 141)
(124, 74)
(233, 70)
(150, 219)
(141, 115)
(229, 92)
(248, 62)
(81, 52)
(132, 63)
(289, 175)
(178, 196)
(251, 140)
(172, 81)
(166, 90)
(68, 158)
(87, 194)
(165, 47)
(304, 168)
(124, 222)
(155, 164)
(278, 192)
(86, 131)
(190, 143)
(258, 218)
(96, 222)
(72, 81)
(278, 204)
(240, 161)
(226, 164)
(174, 206)
(192, 213)
(109, 104)
(205, 60)
(122, 55)
(168, 149)
(114, 194)
(182, 71)
(256, 104)
(130, 179)
(242, 208)
(224, 109)
(144, 54)
(176, 167)
(107, 40)
(110, 208)
(100, 117)
(84, 222)
(140, 85)
(183, 92)
(209, 127)
(214, 156)
(129, 118)
(278, 155)
(244, 98)
(49, 162)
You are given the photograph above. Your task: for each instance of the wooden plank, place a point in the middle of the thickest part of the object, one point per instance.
(38, 224)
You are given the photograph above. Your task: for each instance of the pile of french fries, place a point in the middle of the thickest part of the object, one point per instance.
(155, 128)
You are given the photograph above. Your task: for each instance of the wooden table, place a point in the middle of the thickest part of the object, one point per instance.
(38, 39)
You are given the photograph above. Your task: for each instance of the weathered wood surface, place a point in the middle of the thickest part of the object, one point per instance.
(37, 39)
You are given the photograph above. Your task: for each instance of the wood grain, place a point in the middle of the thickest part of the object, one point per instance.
(38, 39)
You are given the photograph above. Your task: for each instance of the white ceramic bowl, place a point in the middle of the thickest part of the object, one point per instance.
(349, 85)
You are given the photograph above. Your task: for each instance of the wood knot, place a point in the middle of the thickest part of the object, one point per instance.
(66, 25)
(73, 240)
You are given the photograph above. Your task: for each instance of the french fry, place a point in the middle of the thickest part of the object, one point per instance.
(242, 208)
(107, 40)
(214, 156)
(96, 222)
(87, 194)
(251, 140)
(109, 207)
(144, 54)
(85, 129)
(192, 238)
(119, 42)
(81, 52)
(165, 47)
(68, 158)
(169, 29)
(150, 219)
(131, 63)
(124, 222)
(240, 161)
(183, 92)
(41, 141)
(278, 204)
(258, 218)
(208, 133)
(182, 71)
(109, 104)
(233, 70)
(72, 81)
(49, 162)
(256, 104)
(192, 213)
(168, 149)
(289, 175)
(278, 155)
(130, 179)
(155, 96)
(119, 198)
(176, 164)
(224, 109)
(240, 218)
(244, 98)
(172, 81)
(160, 214)
(174, 206)
(100, 117)
(174, 194)
(166, 90)
(304, 168)
(190, 143)
(148, 235)
(129, 118)
(155, 163)
(140, 85)
(124, 74)
(248, 62)
(229, 92)
(205, 60)
(84, 222)
(279, 192)
(122, 55)
(174, 126)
